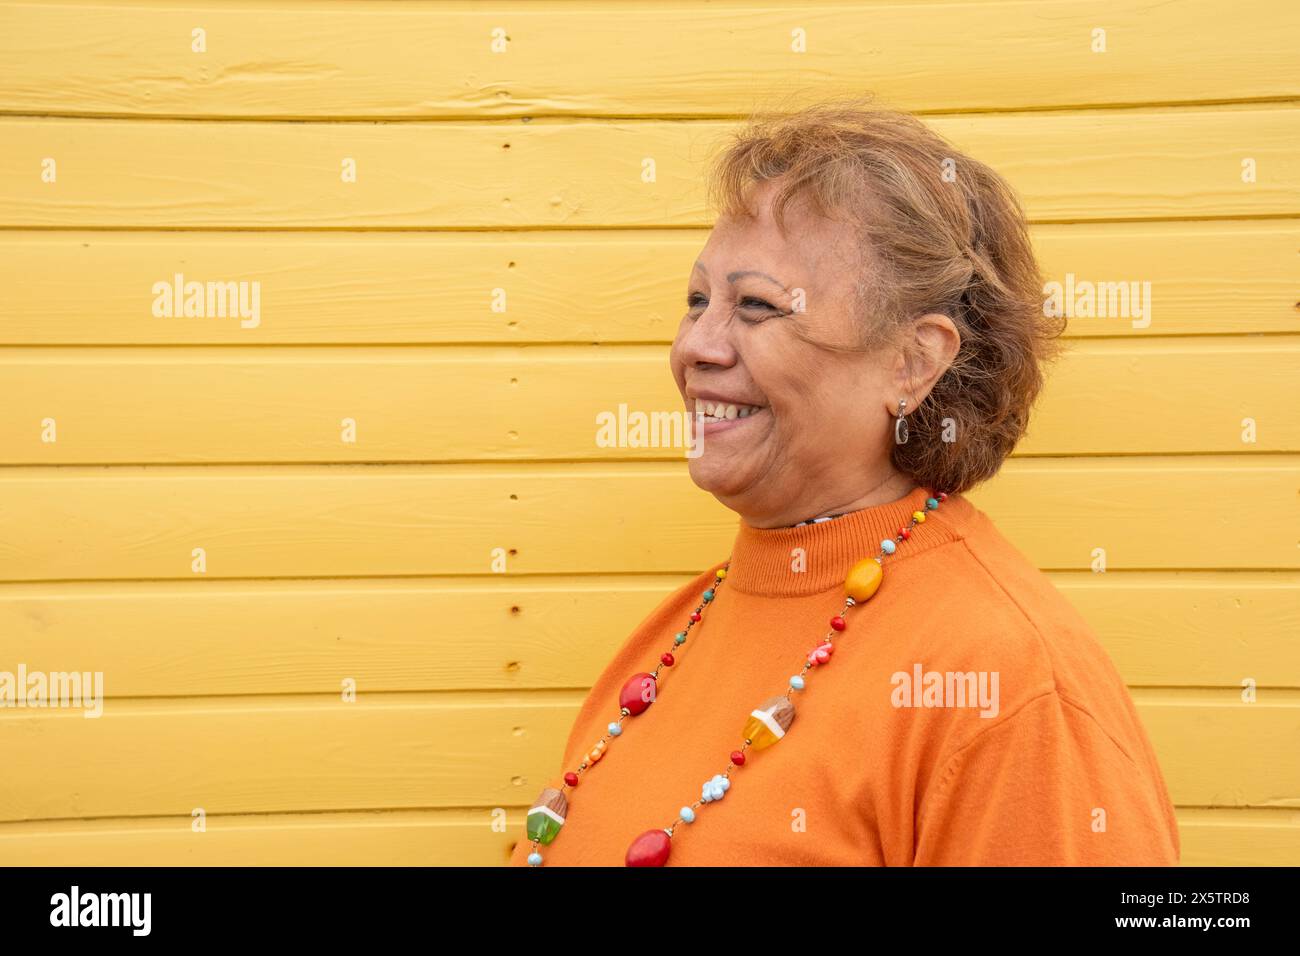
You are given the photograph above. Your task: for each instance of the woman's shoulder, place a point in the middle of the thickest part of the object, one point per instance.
(1006, 615)
(1019, 597)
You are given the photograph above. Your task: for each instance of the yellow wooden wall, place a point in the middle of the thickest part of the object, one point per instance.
(519, 169)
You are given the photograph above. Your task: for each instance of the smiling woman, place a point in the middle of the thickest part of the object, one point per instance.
(863, 341)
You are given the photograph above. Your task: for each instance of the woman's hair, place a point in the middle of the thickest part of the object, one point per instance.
(939, 232)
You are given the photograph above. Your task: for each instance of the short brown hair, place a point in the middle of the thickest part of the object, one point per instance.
(940, 232)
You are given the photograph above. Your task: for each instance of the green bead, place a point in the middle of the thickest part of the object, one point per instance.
(680, 638)
(547, 816)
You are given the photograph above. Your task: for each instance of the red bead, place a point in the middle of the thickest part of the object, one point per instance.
(571, 778)
(904, 533)
(738, 758)
(637, 694)
(837, 622)
(649, 849)
(695, 615)
(943, 496)
(668, 660)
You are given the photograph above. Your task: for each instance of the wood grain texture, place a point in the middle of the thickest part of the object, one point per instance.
(1100, 165)
(1207, 278)
(670, 59)
(566, 403)
(441, 837)
(1239, 837)
(478, 749)
(231, 638)
(472, 837)
(347, 521)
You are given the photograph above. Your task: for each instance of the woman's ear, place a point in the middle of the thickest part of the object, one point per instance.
(925, 355)
(939, 337)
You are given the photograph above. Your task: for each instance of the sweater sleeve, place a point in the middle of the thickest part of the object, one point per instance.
(1044, 786)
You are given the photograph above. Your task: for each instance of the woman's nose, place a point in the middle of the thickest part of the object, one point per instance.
(707, 340)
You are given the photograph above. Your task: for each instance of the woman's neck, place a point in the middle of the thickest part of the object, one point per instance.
(817, 503)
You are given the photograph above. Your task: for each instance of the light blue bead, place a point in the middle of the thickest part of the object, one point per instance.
(797, 682)
(688, 814)
(534, 859)
(714, 789)
(615, 729)
(888, 546)
(680, 638)
(932, 503)
(708, 595)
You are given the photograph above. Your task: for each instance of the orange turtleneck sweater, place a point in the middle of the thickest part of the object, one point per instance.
(1045, 763)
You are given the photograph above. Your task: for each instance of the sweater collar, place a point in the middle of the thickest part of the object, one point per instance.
(762, 559)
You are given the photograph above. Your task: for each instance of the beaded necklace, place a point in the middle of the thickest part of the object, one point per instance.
(766, 724)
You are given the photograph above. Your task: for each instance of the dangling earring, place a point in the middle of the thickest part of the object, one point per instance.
(900, 424)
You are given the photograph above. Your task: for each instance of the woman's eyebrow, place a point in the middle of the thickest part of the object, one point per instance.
(751, 272)
(732, 277)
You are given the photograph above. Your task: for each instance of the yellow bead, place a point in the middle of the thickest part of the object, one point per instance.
(768, 722)
(863, 580)
(919, 517)
(758, 732)
(722, 573)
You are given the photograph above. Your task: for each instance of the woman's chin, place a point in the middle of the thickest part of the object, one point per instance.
(718, 475)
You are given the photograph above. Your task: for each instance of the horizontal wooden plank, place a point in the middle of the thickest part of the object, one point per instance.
(1193, 396)
(288, 754)
(432, 60)
(84, 288)
(1210, 837)
(438, 404)
(477, 837)
(1226, 753)
(1076, 510)
(1143, 164)
(1138, 164)
(1194, 629)
(470, 750)
(295, 637)
(129, 522)
(196, 639)
(1239, 837)
(1206, 277)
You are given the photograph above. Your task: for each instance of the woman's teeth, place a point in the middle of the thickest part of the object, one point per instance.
(721, 411)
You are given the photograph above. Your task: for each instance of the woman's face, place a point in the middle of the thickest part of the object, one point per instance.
(810, 431)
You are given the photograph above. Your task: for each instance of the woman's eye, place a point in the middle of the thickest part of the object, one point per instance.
(753, 310)
(750, 304)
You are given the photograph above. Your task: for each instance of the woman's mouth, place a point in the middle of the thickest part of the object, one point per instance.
(721, 416)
